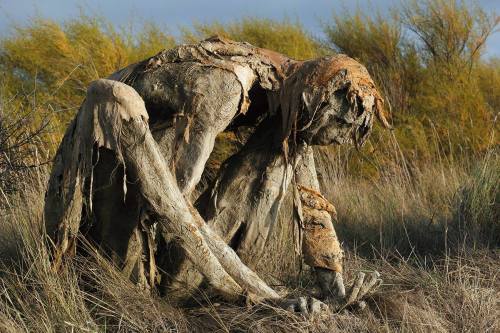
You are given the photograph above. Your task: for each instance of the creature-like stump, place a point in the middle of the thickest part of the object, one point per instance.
(124, 176)
(114, 117)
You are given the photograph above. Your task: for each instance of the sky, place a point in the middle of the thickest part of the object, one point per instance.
(176, 14)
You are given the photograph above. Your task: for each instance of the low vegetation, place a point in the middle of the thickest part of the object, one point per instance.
(427, 235)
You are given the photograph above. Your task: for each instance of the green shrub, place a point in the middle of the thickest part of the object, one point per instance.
(425, 58)
(286, 37)
(58, 61)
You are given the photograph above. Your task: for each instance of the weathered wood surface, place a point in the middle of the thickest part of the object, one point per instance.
(115, 118)
(126, 170)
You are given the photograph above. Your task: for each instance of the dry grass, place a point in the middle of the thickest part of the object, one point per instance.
(395, 226)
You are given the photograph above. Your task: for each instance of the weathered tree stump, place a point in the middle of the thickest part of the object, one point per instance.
(125, 173)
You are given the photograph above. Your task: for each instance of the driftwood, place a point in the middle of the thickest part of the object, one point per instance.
(126, 171)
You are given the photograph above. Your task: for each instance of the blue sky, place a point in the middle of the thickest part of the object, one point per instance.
(175, 14)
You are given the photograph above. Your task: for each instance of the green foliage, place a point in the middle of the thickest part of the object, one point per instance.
(285, 36)
(23, 135)
(489, 83)
(449, 31)
(426, 61)
(60, 60)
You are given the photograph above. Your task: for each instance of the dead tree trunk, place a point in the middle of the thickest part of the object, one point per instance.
(114, 117)
(241, 206)
(123, 176)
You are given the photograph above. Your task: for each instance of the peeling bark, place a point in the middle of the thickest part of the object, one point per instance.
(320, 245)
(241, 207)
(113, 116)
(126, 169)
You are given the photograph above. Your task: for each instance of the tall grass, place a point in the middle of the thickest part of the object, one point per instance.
(424, 209)
(423, 291)
(87, 295)
(477, 214)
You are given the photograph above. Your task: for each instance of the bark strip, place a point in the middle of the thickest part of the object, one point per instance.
(114, 117)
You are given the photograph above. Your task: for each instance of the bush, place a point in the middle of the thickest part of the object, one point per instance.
(426, 60)
(60, 60)
(286, 37)
(23, 135)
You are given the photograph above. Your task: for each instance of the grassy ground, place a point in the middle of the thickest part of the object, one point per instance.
(433, 234)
